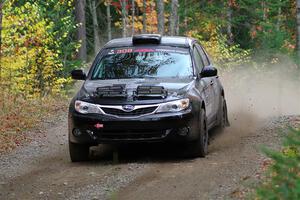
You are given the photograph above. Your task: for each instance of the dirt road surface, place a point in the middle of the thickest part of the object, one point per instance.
(42, 168)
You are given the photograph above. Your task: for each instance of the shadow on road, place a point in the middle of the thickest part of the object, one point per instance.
(144, 152)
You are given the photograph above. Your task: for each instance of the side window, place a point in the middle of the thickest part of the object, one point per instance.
(198, 59)
(203, 55)
(207, 56)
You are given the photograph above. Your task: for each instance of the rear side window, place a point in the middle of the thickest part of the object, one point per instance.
(198, 59)
(144, 62)
(203, 55)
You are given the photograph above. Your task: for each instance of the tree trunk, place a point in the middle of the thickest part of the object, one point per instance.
(298, 28)
(108, 20)
(93, 10)
(133, 15)
(81, 30)
(185, 15)
(278, 24)
(161, 17)
(144, 17)
(124, 16)
(174, 17)
(229, 24)
(177, 26)
(263, 4)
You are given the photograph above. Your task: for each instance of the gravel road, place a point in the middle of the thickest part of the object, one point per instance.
(42, 168)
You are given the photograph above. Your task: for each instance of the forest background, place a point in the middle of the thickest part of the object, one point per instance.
(41, 42)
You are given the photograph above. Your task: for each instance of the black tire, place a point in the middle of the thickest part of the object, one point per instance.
(199, 148)
(223, 119)
(79, 152)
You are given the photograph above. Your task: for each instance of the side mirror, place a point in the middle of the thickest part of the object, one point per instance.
(209, 72)
(78, 74)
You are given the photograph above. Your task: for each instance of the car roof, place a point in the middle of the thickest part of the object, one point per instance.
(176, 41)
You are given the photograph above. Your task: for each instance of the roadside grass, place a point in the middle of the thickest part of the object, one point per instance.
(282, 178)
(19, 115)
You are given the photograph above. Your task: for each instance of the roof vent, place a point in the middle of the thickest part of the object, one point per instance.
(146, 39)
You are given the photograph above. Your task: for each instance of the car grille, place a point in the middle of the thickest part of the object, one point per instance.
(137, 112)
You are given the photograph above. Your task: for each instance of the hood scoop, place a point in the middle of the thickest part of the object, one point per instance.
(114, 91)
(146, 92)
(141, 92)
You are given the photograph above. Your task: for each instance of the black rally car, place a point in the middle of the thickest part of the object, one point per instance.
(144, 89)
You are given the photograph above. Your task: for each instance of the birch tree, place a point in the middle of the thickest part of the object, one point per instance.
(185, 15)
(81, 30)
(230, 4)
(124, 18)
(108, 3)
(174, 17)
(278, 24)
(93, 10)
(161, 17)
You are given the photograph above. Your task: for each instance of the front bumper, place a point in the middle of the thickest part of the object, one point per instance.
(155, 127)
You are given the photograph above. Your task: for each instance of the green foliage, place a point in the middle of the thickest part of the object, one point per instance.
(36, 48)
(267, 27)
(61, 14)
(224, 55)
(283, 179)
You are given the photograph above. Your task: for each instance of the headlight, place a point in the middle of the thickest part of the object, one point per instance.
(174, 106)
(85, 108)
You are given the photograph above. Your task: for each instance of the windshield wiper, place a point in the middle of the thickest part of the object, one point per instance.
(145, 76)
(149, 76)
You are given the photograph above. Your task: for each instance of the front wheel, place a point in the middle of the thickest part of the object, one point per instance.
(223, 118)
(79, 152)
(199, 148)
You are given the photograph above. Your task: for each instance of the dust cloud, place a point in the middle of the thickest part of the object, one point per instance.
(255, 95)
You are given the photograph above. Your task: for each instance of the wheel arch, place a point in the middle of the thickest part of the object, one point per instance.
(222, 92)
(203, 105)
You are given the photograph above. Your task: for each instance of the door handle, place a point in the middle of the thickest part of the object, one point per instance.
(211, 82)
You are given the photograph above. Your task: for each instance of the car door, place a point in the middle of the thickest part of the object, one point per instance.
(213, 82)
(205, 83)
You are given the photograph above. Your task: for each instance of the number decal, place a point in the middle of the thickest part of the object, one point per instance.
(121, 51)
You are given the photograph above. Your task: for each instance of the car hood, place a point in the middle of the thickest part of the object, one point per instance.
(177, 88)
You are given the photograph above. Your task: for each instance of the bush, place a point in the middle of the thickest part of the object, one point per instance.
(283, 177)
(31, 63)
(224, 55)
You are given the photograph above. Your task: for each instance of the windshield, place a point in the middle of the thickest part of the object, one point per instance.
(144, 63)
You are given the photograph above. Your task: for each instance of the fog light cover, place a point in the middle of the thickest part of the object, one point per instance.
(77, 132)
(183, 131)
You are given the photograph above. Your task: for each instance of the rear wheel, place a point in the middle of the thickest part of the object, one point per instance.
(199, 147)
(79, 152)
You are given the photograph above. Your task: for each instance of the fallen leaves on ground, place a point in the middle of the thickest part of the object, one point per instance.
(19, 115)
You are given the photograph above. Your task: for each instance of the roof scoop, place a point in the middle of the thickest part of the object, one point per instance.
(146, 39)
